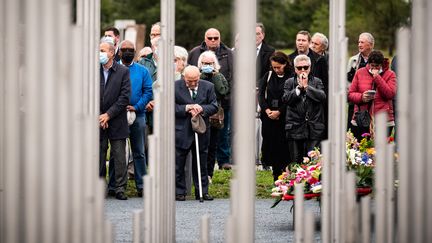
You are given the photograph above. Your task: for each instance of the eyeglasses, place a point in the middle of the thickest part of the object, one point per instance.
(207, 63)
(127, 49)
(212, 38)
(154, 34)
(299, 68)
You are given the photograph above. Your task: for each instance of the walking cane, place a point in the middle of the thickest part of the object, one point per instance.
(198, 126)
(198, 167)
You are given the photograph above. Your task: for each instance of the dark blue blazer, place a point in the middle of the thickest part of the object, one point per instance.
(206, 97)
(114, 97)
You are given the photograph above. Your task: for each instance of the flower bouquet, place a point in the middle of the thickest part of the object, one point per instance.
(309, 173)
(361, 159)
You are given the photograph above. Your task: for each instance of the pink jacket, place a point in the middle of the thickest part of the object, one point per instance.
(385, 86)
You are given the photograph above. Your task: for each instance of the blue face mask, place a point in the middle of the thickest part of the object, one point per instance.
(207, 69)
(103, 58)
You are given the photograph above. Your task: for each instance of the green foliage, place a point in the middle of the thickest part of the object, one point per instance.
(282, 19)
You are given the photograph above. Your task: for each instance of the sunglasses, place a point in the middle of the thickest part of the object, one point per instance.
(302, 68)
(127, 50)
(213, 38)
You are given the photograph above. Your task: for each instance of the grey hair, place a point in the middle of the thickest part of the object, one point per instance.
(127, 41)
(261, 25)
(369, 37)
(212, 55)
(110, 44)
(300, 58)
(181, 52)
(323, 38)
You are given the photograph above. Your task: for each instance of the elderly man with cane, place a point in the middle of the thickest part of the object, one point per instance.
(195, 101)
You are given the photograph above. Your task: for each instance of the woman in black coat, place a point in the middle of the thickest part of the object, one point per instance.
(274, 147)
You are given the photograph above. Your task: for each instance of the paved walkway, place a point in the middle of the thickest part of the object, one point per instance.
(271, 225)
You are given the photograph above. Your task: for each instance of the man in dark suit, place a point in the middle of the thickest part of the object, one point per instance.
(114, 97)
(264, 52)
(192, 97)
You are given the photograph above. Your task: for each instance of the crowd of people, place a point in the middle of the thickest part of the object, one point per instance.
(292, 103)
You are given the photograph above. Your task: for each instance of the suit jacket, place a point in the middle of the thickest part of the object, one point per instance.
(114, 97)
(263, 60)
(206, 97)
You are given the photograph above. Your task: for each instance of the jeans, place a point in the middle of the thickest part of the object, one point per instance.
(137, 140)
(223, 152)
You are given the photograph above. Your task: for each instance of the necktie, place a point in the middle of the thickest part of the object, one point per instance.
(194, 94)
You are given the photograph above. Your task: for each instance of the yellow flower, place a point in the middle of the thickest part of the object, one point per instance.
(370, 151)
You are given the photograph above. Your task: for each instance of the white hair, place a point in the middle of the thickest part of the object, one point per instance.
(181, 52)
(211, 55)
(127, 41)
(324, 40)
(300, 58)
(369, 37)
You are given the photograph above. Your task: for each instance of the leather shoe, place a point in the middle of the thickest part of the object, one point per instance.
(180, 198)
(111, 193)
(206, 197)
(140, 193)
(121, 196)
(227, 166)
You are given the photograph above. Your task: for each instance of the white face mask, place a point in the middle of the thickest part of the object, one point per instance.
(379, 72)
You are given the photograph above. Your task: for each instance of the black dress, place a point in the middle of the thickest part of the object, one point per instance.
(274, 148)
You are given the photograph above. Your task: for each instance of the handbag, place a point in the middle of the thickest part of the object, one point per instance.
(363, 118)
(217, 120)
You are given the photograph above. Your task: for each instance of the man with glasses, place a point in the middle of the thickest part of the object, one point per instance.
(304, 96)
(212, 41)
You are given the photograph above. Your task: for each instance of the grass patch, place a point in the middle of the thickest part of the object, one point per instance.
(220, 187)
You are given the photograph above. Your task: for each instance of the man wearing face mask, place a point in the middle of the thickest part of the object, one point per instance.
(141, 94)
(304, 96)
(114, 34)
(114, 98)
(373, 88)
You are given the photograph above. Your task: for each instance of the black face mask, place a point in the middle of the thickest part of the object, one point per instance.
(127, 57)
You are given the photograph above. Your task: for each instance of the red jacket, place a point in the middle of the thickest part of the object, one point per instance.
(385, 86)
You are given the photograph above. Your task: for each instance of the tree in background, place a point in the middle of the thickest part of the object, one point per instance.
(282, 19)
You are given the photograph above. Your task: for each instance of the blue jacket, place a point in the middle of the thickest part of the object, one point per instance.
(141, 87)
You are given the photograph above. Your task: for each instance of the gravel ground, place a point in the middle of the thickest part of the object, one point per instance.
(271, 224)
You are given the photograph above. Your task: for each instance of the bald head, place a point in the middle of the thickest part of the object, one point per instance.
(212, 39)
(191, 76)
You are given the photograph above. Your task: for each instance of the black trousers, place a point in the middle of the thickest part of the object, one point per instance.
(211, 157)
(299, 148)
(181, 155)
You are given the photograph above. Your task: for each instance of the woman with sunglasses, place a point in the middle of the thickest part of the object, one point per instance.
(304, 96)
(273, 149)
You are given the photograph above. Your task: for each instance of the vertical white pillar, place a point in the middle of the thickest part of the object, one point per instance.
(309, 230)
(299, 225)
(380, 176)
(418, 160)
(32, 104)
(365, 220)
(428, 103)
(10, 157)
(244, 119)
(403, 134)
(326, 192)
(205, 229)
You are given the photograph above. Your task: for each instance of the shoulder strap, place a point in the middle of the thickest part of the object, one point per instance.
(268, 78)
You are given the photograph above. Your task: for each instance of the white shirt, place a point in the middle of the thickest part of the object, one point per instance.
(258, 48)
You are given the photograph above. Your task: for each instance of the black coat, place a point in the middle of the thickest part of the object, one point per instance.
(114, 97)
(305, 112)
(274, 148)
(263, 60)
